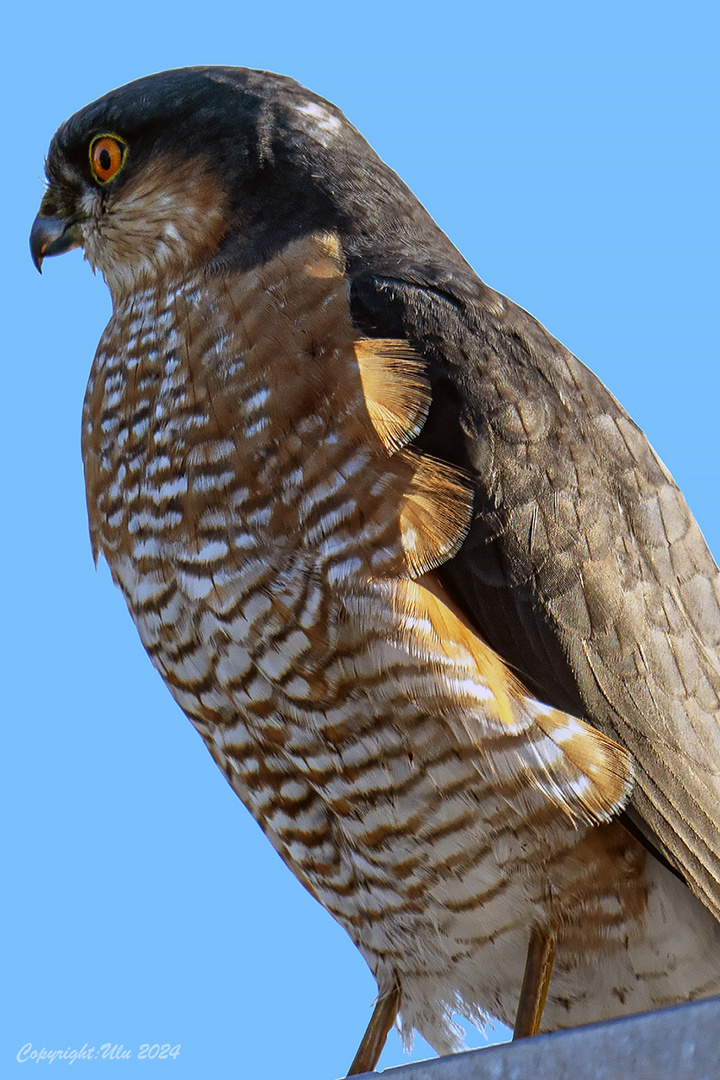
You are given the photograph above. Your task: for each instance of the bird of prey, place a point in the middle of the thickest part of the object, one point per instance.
(437, 609)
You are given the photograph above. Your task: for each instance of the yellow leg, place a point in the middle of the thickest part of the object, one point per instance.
(373, 1040)
(536, 980)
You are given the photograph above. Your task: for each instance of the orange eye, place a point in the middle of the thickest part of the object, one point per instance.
(107, 157)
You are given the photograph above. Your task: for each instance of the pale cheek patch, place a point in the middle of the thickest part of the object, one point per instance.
(90, 202)
(169, 217)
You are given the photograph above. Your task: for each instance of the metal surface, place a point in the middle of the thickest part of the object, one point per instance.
(681, 1043)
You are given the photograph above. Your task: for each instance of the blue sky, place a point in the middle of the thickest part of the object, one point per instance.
(571, 153)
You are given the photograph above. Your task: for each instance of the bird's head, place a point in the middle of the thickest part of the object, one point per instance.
(202, 166)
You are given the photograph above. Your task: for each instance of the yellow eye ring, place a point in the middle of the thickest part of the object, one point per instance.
(107, 157)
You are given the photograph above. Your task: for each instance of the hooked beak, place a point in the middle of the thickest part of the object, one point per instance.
(53, 236)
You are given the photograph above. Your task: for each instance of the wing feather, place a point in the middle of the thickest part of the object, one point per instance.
(583, 567)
